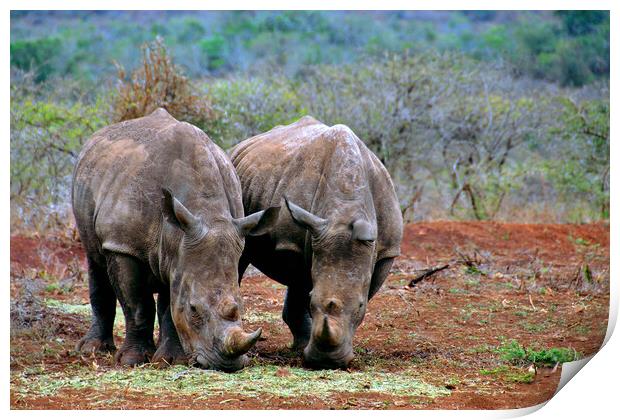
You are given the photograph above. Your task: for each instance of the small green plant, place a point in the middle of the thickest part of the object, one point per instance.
(509, 374)
(533, 327)
(520, 377)
(474, 270)
(472, 282)
(57, 288)
(582, 329)
(579, 241)
(513, 352)
(494, 371)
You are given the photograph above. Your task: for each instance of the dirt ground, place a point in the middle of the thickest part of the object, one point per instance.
(439, 344)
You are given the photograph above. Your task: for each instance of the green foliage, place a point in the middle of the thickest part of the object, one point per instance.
(584, 170)
(567, 47)
(213, 50)
(580, 22)
(459, 138)
(36, 55)
(246, 107)
(47, 133)
(45, 140)
(513, 352)
(192, 31)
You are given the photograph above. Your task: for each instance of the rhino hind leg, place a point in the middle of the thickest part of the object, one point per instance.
(297, 316)
(99, 338)
(129, 278)
(169, 348)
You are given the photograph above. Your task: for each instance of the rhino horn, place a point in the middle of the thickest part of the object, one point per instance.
(328, 335)
(239, 342)
(305, 219)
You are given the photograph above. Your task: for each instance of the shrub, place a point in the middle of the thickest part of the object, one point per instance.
(36, 55)
(249, 106)
(213, 50)
(434, 121)
(158, 82)
(583, 171)
(46, 137)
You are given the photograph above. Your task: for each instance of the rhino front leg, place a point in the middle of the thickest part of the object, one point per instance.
(380, 273)
(169, 348)
(129, 279)
(297, 316)
(99, 337)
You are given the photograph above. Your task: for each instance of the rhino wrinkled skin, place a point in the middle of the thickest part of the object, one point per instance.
(158, 208)
(335, 245)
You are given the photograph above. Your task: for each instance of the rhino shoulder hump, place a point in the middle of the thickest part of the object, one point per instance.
(161, 113)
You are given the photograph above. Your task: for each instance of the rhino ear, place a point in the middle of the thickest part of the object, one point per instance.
(305, 219)
(363, 231)
(258, 223)
(176, 213)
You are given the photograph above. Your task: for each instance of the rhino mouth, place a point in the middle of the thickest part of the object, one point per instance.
(337, 359)
(216, 361)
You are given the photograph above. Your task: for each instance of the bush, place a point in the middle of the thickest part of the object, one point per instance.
(159, 83)
(36, 55)
(436, 121)
(249, 106)
(46, 137)
(583, 171)
(213, 51)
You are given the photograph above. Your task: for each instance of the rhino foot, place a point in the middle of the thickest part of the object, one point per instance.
(133, 355)
(169, 353)
(89, 345)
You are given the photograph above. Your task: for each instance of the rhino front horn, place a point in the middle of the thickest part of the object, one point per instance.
(328, 336)
(239, 342)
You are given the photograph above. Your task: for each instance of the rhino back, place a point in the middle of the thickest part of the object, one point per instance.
(322, 169)
(121, 170)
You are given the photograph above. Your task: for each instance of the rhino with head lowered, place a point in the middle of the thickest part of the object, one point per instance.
(158, 208)
(335, 245)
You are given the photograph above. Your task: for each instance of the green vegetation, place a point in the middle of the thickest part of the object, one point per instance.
(513, 352)
(466, 115)
(568, 47)
(510, 374)
(35, 55)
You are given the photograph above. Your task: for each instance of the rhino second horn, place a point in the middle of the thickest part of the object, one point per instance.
(239, 342)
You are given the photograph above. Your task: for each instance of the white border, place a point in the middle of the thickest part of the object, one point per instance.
(592, 395)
